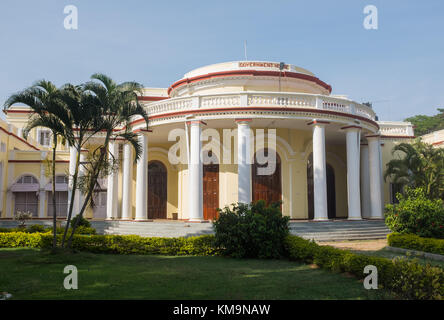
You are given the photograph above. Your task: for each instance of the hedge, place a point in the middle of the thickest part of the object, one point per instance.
(128, 244)
(408, 279)
(414, 242)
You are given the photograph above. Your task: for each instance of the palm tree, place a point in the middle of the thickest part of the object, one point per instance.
(83, 123)
(117, 105)
(48, 111)
(421, 165)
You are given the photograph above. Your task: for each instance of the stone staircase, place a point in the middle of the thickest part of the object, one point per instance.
(336, 230)
(153, 229)
(340, 230)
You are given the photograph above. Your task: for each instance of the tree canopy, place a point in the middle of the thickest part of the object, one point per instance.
(426, 124)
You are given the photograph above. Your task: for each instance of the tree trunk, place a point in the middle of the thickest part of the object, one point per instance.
(54, 213)
(74, 183)
(90, 189)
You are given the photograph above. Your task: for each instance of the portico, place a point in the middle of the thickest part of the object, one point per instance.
(223, 123)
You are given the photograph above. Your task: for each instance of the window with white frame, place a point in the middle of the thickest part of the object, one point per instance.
(26, 201)
(61, 199)
(62, 179)
(27, 179)
(45, 137)
(3, 147)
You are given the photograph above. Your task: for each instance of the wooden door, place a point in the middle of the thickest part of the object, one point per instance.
(266, 187)
(210, 191)
(157, 190)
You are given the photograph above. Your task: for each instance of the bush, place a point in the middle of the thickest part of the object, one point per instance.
(82, 221)
(408, 279)
(130, 244)
(84, 230)
(416, 214)
(414, 242)
(36, 228)
(252, 231)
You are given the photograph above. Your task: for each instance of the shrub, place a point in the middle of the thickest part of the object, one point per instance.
(82, 221)
(129, 244)
(408, 279)
(414, 242)
(36, 228)
(85, 230)
(253, 231)
(22, 217)
(416, 214)
(416, 281)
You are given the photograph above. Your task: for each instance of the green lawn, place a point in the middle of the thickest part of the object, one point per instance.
(35, 274)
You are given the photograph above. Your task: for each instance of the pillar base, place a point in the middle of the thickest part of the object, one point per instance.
(321, 219)
(354, 219)
(197, 220)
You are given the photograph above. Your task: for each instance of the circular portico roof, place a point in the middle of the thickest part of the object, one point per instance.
(253, 74)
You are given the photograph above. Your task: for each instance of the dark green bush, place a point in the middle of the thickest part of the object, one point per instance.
(82, 221)
(252, 231)
(408, 279)
(414, 242)
(416, 214)
(36, 228)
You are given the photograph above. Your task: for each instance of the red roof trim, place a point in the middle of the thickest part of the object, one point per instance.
(398, 137)
(250, 73)
(36, 161)
(150, 98)
(17, 137)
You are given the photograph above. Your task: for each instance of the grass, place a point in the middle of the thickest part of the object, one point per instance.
(34, 274)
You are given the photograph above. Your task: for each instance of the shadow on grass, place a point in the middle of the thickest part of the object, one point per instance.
(33, 274)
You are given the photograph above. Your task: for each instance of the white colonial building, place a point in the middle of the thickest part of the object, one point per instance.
(330, 150)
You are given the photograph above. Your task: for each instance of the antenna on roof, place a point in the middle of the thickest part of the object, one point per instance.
(245, 50)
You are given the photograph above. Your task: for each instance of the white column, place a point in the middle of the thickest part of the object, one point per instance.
(72, 167)
(381, 170)
(195, 176)
(375, 178)
(142, 180)
(353, 188)
(127, 182)
(42, 193)
(243, 161)
(319, 173)
(365, 182)
(112, 195)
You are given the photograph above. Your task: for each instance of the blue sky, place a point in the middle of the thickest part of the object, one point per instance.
(400, 66)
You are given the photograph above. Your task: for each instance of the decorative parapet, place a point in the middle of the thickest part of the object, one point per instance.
(260, 99)
(392, 129)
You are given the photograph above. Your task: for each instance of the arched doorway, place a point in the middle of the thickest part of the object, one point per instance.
(210, 191)
(331, 191)
(266, 187)
(157, 190)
